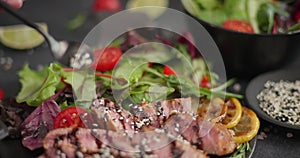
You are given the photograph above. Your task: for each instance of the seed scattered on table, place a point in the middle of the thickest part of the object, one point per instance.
(289, 135)
(281, 100)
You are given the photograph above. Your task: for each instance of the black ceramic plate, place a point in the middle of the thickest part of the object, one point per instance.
(257, 84)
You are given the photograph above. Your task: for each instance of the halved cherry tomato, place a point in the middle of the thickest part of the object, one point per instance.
(205, 82)
(71, 117)
(107, 58)
(168, 71)
(1, 94)
(238, 25)
(107, 5)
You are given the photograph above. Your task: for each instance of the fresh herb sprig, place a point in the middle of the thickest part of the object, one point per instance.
(241, 151)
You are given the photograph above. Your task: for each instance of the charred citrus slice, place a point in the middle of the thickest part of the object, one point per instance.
(247, 128)
(214, 110)
(234, 113)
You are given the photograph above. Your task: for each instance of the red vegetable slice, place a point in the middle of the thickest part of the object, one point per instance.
(1, 94)
(297, 16)
(168, 71)
(106, 59)
(205, 82)
(238, 25)
(71, 117)
(107, 5)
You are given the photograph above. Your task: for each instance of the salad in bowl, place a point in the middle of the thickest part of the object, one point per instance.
(249, 16)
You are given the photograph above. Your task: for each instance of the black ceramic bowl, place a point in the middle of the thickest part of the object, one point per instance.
(246, 55)
(256, 85)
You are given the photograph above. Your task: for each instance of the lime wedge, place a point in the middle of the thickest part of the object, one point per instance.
(150, 12)
(21, 36)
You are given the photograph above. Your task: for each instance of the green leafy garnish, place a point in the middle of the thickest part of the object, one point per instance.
(241, 151)
(76, 22)
(38, 86)
(265, 16)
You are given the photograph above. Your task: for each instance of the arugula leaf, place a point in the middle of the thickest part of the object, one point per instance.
(38, 86)
(294, 27)
(76, 22)
(149, 92)
(266, 15)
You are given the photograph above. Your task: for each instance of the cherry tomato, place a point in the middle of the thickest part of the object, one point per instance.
(107, 5)
(1, 94)
(106, 59)
(71, 117)
(238, 25)
(168, 71)
(205, 82)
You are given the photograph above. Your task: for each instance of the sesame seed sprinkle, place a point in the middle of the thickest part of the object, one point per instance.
(281, 101)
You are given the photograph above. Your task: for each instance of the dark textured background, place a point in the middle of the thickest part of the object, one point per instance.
(56, 13)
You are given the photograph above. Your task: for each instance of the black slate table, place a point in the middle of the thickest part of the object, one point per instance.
(278, 142)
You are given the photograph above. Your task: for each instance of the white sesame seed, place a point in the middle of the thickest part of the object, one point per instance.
(281, 100)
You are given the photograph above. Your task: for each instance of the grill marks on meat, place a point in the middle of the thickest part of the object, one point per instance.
(213, 138)
(162, 129)
(159, 112)
(218, 140)
(103, 143)
(111, 116)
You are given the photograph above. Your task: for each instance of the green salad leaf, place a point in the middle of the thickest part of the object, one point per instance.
(83, 85)
(236, 9)
(265, 16)
(38, 86)
(216, 16)
(209, 4)
(192, 7)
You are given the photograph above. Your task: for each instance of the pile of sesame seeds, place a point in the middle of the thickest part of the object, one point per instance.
(281, 101)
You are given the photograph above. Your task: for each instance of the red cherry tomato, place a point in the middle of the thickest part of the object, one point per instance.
(238, 25)
(71, 117)
(168, 71)
(106, 59)
(205, 82)
(107, 5)
(1, 94)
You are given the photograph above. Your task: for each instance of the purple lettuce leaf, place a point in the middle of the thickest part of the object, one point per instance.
(188, 39)
(132, 39)
(38, 123)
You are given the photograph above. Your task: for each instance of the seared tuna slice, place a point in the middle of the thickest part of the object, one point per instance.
(111, 116)
(213, 138)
